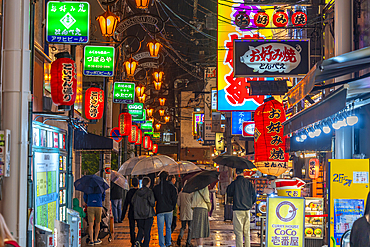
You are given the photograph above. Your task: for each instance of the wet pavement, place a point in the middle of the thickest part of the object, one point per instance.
(221, 233)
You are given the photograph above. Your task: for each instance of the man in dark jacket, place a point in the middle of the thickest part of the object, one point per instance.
(116, 194)
(244, 196)
(166, 197)
(131, 219)
(144, 202)
(360, 232)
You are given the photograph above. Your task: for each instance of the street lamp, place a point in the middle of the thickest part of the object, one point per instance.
(167, 119)
(130, 66)
(158, 76)
(158, 126)
(108, 23)
(161, 112)
(142, 98)
(140, 89)
(149, 112)
(154, 47)
(142, 4)
(157, 85)
(162, 101)
(151, 119)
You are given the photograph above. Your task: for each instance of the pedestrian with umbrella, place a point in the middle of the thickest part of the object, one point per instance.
(94, 194)
(201, 203)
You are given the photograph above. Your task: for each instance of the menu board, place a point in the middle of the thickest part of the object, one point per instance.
(46, 173)
(314, 226)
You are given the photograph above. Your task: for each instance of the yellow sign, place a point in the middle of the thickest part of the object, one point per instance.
(220, 143)
(289, 192)
(285, 221)
(349, 186)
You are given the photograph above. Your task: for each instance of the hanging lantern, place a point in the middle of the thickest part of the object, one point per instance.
(313, 168)
(280, 18)
(162, 101)
(155, 148)
(94, 103)
(158, 76)
(139, 137)
(132, 138)
(150, 147)
(242, 20)
(151, 119)
(108, 23)
(154, 47)
(261, 19)
(299, 19)
(125, 123)
(142, 98)
(140, 89)
(167, 119)
(149, 112)
(158, 126)
(157, 85)
(130, 66)
(269, 141)
(142, 4)
(63, 81)
(161, 112)
(146, 141)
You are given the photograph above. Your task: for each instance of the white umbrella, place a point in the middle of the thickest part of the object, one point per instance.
(182, 167)
(118, 179)
(152, 164)
(126, 168)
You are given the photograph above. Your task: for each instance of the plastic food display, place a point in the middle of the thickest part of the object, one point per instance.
(314, 225)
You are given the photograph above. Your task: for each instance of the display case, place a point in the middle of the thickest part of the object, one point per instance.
(314, 224)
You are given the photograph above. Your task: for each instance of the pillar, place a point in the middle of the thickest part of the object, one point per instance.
(16, 95)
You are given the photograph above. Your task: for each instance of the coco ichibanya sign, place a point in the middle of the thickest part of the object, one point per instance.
(271, 57)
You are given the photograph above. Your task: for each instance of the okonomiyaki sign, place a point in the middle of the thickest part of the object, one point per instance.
(270, 58)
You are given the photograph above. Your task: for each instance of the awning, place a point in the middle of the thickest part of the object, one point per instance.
(328, 69)
(91, 142)
(318, 111)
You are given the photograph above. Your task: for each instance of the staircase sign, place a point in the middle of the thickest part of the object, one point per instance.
(67, 22)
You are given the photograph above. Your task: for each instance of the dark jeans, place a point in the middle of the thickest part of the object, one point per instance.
(131, 222)
(183, 228)
(145, 227)
(174, 223)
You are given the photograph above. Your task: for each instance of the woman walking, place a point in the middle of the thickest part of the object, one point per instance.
(200, 226)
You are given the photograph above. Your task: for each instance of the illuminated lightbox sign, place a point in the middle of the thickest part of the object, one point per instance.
(124, 92)
(137, 112)
(99, 61)
(271, 57)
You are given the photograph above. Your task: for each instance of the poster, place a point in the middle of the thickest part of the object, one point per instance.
(346, 211)
(285, 221)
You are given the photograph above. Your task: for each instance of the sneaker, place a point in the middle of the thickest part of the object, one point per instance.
(98, 241)
(91, 243)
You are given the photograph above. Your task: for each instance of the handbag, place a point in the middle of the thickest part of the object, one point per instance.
(209, 204)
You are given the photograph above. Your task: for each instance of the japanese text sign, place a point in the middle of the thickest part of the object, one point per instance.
(67, 22)
(99, 61)
(237, 119)
(220, 143)
(124, 92)
(137, 111)
(271, 57)
(147, 127)
(285, 221)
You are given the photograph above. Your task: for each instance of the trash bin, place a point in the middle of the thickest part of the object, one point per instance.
(44, 236)
(74, 221)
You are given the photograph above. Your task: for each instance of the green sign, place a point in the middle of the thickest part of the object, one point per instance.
(67, 22)
(99, 61)
(124, 92)
(157, 135)
(147, 127)
(137, 111)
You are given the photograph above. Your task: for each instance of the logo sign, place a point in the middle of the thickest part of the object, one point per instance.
(271, 57)
(124, 92)
(137, 111)
(237, 120)
(147, 127)
(115, 134)
(67, 22)
(99, 61)
(285, 221)
(248, 129)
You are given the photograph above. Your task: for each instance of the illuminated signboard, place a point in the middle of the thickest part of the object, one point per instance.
(237, 119)
(197, 118)
(124, 92)
(137, 111)
(214, 99)
(99, 61)
(147, 127)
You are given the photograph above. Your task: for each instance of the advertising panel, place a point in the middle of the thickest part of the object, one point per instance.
(147, 127)
(137, 111)
(124, 92)
(197, 118)
(285, 221)
(99, 61)
(220, 143)
(253, 57)
(237, 119)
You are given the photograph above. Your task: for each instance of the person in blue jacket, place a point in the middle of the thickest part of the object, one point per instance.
(94, 211)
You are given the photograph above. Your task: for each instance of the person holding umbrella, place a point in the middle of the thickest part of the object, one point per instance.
(128, 203)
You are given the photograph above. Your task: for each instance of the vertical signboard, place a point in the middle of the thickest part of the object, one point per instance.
(237, 119)
(67, 22)
(285, 221)
(124, 92)
(220, 142)
(349, 186)
(214, 99)
(197, 118)
(99, 61)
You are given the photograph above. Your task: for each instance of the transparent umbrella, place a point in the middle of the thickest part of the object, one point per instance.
(118, 179)
(126, 167)
(182, 167)
(152, 164)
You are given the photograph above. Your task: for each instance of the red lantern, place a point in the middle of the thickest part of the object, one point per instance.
(139, 137)
(125, 123)
(94, 103)
(280, 18)
(269, 142)
(132, 138)
(261, 19)
(313, 168)
(242, 20)
(155, 148)
(299, 19)
(146, 142)
(150, 145)
(63, 81)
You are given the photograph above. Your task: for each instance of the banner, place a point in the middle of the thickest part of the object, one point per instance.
(285, 221)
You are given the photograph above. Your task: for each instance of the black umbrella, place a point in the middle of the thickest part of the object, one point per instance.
(234, 162)
(91, 184)
(200, 181)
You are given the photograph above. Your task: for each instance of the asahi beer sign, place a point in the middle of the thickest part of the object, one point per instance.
(271, 57)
